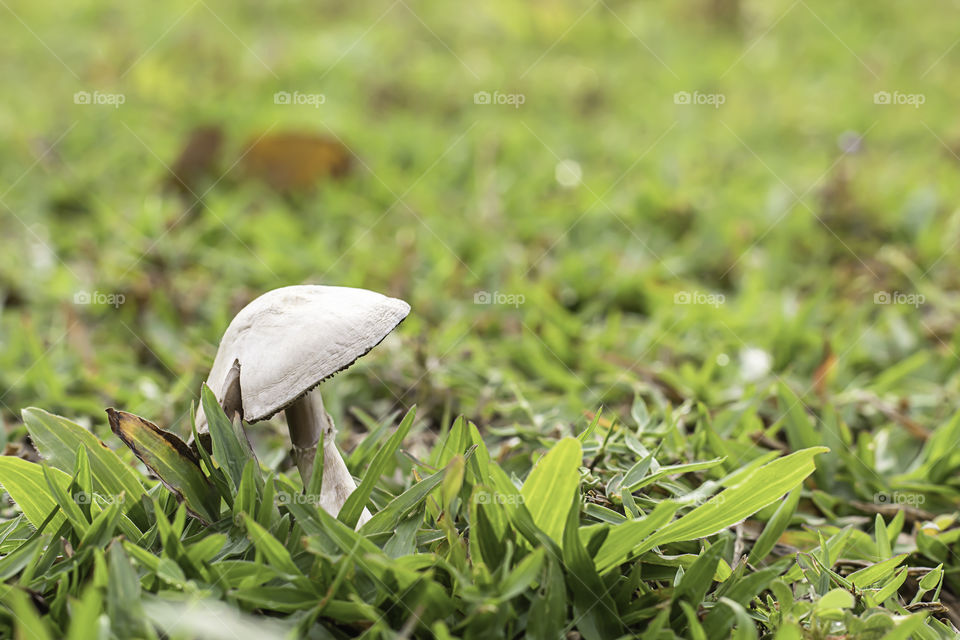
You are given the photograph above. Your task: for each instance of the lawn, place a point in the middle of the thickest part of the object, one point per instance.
(682, 358)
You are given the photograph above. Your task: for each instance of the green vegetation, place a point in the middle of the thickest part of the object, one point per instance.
(689, 278)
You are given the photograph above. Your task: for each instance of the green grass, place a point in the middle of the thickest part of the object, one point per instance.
(785, 245)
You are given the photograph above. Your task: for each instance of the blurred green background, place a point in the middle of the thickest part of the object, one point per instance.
(631, 243)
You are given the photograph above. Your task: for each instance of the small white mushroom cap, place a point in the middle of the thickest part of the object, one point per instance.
(289, 340)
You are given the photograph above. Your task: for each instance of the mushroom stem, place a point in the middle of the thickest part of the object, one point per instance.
(308, 421)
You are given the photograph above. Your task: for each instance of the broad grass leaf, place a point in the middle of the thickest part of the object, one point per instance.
(292, 599)
(488, 525)
(592, 604)
(211, 619)
(746, 628)
(56, 548)
(481, 460)
(172, 460)
(363, 453)
(403, 542)
(171, 573)
(550, 487)
(800, 427)
(29, 624)
(891, 588)
(624, 538)
(85, 613)
(123, 597)
(633, 483)
(695, 630)
(884, 546)
(248, 494)
(742, 591)
(203, 447)
(27, 485)
(353, 507)
(58, 440)
(881, 571)
(318, 522)
(230, 448)
(829, 551)
(775, 527)
(835, 599)
(526, 571)
(68, 503)
(548, 609)
(267, 512)
(931, 581)
(205, 549)
(13, 562)
(699, 577)
(762, 487)
(142, 556)
(638, 471)
(273, 551)
(907, 628)
(585, 435)
(452, 482)
(387, 518)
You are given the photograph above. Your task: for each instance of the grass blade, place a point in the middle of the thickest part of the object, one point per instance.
(551, 484)
(354, 505)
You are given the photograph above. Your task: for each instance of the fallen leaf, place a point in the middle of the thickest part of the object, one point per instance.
(295, 161)
(170, 459)
(197, 161)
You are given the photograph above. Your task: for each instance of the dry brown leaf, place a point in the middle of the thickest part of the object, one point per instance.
(198, 160)
(295, 161)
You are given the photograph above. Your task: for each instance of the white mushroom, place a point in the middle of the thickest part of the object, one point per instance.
(285, 343)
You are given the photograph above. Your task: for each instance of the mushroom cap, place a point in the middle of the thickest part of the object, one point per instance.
(291, 339)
